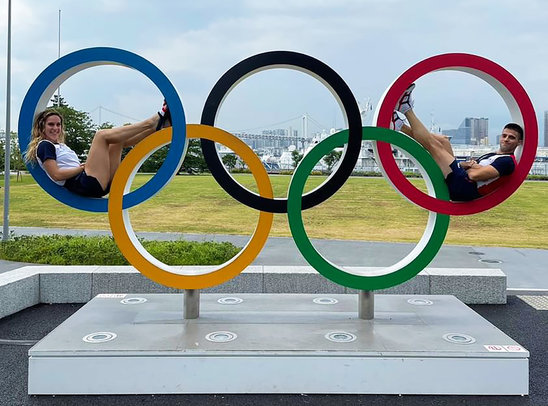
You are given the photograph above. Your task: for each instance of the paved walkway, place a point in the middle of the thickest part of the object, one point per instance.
(525, 268)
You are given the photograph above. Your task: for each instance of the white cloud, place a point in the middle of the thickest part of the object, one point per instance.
(111, 6)
(201, 52)
(369, 43)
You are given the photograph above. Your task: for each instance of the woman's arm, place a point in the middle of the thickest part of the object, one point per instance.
(57, 174)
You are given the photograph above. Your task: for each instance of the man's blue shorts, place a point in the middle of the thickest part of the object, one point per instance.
(461, 188)
(85, 185)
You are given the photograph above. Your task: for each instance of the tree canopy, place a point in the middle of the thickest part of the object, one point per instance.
(194, 158)
(230, 161)
(296, 157)
(332, 158)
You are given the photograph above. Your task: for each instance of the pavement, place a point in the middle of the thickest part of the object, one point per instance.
(526, 268)
(524, 318)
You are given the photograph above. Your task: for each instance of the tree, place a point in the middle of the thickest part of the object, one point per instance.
(240, 163)
(106, 125)
(16, 158)
(79, 128)
(296, 157)
(194, 159)
(153, 162)
(331, 159)
(2, 152)
(230, 161)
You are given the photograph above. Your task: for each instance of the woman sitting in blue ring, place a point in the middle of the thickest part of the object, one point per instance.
(92, 178)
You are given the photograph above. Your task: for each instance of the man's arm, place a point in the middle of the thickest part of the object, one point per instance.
(468, 164)
(482, 173)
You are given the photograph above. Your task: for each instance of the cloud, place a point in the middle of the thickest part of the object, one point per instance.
(369, 43)
(110, 6)
(201, 52)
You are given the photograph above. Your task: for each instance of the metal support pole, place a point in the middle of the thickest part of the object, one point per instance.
(7, 169)
(59, 56)
(191, 304)
(366, 305)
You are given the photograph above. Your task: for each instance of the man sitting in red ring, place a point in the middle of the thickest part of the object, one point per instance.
(468, 180)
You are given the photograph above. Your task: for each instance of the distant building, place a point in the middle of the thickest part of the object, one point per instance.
(545, 129)
(472, 131)
(459, 136)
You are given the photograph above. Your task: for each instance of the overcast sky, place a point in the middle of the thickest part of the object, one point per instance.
(368, 42)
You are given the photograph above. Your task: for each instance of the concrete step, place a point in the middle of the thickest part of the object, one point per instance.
(30, 285)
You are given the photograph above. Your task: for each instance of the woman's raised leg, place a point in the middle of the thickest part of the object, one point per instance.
(106, 148)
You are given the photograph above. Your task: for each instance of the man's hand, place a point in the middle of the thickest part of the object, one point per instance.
(468, 164)
(482, 173)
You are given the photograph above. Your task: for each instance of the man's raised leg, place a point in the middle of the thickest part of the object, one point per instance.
(438, 146)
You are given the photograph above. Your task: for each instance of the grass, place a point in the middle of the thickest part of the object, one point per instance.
(364, 209)
(77, 250)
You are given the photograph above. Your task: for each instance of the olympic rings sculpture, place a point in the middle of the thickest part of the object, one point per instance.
(436, 201)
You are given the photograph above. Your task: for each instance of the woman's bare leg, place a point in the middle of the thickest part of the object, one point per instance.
(115, 151)
(132, 141)
(106, 148)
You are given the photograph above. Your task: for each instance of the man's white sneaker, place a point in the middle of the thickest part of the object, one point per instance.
(397, 122)
(406, 102)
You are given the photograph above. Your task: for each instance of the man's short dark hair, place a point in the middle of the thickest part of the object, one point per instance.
(516, 127)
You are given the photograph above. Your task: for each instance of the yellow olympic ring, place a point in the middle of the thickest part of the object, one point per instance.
(133, 250)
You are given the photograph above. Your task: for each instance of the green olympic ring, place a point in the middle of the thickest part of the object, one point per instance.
(427, 247)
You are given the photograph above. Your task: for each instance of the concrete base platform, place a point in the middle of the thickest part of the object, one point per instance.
(30, 285)
(277, 343)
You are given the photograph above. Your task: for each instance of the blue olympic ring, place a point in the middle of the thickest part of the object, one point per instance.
(51, 78)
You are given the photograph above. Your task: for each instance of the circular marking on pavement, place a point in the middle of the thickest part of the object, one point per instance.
(325, 301)
(221, 336)
(99, 337)
(420, 302)
(341, 337)
(230, 300)
(459, 338)
(133, 300)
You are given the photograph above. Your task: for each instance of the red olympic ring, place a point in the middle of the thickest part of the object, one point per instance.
(517, 101)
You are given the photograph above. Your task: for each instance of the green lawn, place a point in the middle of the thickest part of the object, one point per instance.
(364, 209)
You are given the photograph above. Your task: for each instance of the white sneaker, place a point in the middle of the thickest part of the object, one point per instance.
(406, 103)
(397, 122)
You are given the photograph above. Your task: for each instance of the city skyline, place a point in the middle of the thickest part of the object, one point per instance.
(369, 44)
(545, 130)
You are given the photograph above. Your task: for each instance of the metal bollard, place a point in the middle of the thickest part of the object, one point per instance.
(191, 304)
(366, 305)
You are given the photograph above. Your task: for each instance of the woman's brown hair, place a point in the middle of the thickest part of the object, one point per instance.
(38, 133)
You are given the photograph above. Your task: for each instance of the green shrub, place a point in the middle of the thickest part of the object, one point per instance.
(537, 177)
(240, 170)
(78, 250)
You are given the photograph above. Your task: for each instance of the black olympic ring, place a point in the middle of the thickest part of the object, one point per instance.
(306, 64)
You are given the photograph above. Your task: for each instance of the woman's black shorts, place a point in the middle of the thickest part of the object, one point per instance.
(85, 185)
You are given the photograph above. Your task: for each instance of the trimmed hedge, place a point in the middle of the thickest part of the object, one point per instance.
(78, 250)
